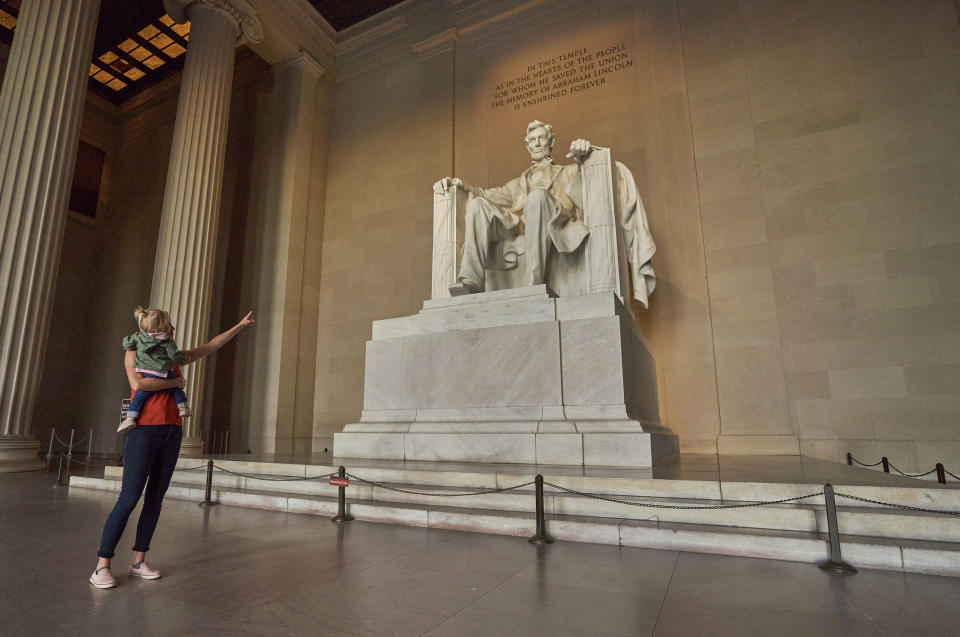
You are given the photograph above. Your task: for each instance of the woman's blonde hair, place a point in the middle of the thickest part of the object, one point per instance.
(152, 320)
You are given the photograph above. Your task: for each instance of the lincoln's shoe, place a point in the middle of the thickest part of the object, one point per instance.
(464, 286)
(126, 425)
(103, 578)
(142, 569)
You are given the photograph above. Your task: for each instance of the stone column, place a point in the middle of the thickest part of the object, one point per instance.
(183, 270)
(290, 231)
(41, 104)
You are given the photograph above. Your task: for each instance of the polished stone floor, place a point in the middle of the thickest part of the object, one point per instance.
(233, 571)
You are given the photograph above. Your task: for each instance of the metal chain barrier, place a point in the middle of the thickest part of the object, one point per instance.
(203, 466)
(939, 469)
(271, 479)
(76, 443)
(864, 464)
(681, 507)
(384, 485)
(897, 506)
(89, 464)
(911, 475)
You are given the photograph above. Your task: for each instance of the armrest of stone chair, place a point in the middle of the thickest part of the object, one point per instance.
(448, 208)
(604, 252)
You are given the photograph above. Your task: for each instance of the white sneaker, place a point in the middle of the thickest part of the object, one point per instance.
(126, 425)
(142, 569)
(184, 410)
(103, 578)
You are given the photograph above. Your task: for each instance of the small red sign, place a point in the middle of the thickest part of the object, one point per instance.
(337, 481)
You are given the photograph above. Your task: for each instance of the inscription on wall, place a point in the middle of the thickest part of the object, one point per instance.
(564, 74)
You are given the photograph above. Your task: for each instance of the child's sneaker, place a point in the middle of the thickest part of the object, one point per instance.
(184, 410)
(126, 425)
(103, 578)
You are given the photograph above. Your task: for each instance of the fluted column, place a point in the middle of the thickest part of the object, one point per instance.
(183, 270)
(41, 104)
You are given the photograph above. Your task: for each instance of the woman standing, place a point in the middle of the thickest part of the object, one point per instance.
(150, 454)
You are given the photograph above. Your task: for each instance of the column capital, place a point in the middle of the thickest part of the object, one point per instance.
(305, 62)
(249, 28)
(442, 42)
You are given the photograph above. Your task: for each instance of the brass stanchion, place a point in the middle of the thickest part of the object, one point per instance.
(541, 537)
(836, 562)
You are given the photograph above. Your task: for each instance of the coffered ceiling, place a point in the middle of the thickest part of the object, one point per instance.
(137, 45)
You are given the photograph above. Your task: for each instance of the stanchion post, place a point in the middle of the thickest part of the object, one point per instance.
(70, 448)
(835, 563)
(541, 537)
(60, 471)
(886, 464)
(53, 432)
(849, 458)
(207, 500)
(342, 515)
(941, 474)
(90, 446)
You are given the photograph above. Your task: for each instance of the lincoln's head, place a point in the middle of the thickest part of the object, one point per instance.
(539, 139)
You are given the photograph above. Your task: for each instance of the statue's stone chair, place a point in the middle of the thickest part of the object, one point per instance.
(618, 239)
(548, 374)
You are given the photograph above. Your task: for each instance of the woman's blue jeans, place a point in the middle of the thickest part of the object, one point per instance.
(149, 458)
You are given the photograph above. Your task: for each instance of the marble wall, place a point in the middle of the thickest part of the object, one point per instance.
(799, 168)
(798, 162)
(826, 139)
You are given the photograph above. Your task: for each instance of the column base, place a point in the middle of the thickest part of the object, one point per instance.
(191, 446)
(19, 453)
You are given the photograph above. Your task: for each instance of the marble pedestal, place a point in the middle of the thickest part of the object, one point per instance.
(514, 376)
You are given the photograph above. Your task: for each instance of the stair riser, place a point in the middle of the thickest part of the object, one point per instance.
(932, 497)
(802, 518)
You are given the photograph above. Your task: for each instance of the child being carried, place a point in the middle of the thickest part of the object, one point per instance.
(156, 354)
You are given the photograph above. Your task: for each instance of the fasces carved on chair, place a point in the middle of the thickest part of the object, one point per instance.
(579, 228)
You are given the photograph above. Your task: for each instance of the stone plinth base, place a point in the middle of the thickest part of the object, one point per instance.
(608, 450)
(513, 376)
(19, 453)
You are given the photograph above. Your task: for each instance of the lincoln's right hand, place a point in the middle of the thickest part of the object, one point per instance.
(444, 184)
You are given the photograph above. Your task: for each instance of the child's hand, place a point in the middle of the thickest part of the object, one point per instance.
(247, 320)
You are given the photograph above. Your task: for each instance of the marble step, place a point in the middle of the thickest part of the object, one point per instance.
(910, 555)
(922, 495)
(807, 516)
